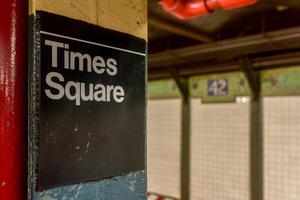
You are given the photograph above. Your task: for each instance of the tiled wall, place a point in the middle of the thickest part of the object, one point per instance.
(282, 148)
(220, 151)
(163, 147)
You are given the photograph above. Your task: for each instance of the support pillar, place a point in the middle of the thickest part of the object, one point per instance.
(185, 135)
(256, 131)
(13, 99)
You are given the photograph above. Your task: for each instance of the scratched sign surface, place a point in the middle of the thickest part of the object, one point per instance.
(91, 102)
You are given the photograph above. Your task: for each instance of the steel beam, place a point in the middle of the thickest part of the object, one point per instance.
(177, 28)
(197, 68)
(256, 131)
(182, 84)
(229, 49)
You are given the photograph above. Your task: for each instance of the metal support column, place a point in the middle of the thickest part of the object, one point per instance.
(256, 131)
(183, 86)
(13, 99)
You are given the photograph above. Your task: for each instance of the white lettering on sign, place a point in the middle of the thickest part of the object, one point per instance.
(217, 87)
(79, 91)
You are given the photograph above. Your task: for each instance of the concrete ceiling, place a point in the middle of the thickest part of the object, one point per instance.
(267, 33)
(266, 15)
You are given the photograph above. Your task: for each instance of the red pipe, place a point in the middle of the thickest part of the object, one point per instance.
(13, 103)
(186, 9)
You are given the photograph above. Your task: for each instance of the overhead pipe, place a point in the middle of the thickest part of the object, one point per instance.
(186, 9)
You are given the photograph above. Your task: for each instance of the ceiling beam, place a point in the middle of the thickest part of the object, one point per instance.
(228, 49)
(178, 29)
(287, 59)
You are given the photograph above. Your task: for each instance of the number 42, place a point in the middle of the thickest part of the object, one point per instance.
(218, 87)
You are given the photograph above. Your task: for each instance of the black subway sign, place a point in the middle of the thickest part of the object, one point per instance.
(90, 101)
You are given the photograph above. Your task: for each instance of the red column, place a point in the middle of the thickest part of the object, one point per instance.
(13, 99)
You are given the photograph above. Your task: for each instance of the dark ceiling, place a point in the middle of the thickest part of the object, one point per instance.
(268, 33)
(264, 16)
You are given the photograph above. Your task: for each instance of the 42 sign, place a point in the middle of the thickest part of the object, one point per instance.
(217, 87)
